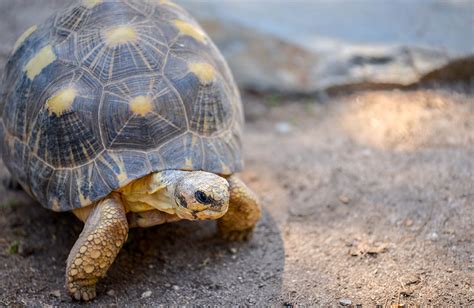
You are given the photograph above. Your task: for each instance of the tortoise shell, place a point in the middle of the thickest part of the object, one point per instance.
(106, 92)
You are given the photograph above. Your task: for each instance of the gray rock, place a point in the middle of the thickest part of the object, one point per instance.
(309, 46)
(306, 46)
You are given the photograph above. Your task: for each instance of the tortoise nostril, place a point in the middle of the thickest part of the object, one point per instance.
(182, 201)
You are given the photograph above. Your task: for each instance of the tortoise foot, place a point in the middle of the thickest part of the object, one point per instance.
(237, 235)
(243, 213)
(81, 292)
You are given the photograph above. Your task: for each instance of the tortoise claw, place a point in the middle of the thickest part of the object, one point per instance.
(237, 235)
(82, 292)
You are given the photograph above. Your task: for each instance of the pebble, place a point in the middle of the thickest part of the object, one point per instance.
(233, 250)
(433, 236)
(409, 222)
(146, 294)
(56, 293)
(345, 302)
(167, 285)
(111, 293)
(176, 288)
(344, 199)
(283, 127)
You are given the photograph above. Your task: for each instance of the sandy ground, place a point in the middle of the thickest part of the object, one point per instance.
(368, 200)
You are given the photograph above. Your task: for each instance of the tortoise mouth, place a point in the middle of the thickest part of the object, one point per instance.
(207, 214)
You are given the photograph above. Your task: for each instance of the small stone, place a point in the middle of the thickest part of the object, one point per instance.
(233, 250)
(345, 302)
(410, 279)
(55, 293)
(146, 294)
(449, 231)
(176, 288)
(283, 127)
(433, 236)
(407, 292)
(344, 199)
(167, 285)
(111, 293)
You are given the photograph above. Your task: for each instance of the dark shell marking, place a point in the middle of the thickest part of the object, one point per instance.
(107, 92)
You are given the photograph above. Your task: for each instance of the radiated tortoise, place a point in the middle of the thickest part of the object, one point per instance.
(124, 112)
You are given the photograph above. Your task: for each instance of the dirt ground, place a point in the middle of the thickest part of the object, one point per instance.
(368, 200)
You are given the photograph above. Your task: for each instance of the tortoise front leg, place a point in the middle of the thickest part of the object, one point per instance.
(244, 212)
(103, 235)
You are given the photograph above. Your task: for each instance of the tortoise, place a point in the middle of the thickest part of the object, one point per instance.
(125, 113)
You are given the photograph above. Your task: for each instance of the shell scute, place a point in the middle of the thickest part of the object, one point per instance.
(67, 137)
(184, 152)
(207, 101)
(165, 117)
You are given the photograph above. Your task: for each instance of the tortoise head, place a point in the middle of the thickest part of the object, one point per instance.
(201, 195)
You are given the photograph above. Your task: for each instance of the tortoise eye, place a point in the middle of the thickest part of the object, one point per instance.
(202, 198)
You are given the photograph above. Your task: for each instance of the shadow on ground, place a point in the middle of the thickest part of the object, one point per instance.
(180, 263)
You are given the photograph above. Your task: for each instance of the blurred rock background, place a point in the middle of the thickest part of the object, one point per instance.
(304, 46)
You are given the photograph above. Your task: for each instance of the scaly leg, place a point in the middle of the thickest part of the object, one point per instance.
(244, 212)
(104, 233)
